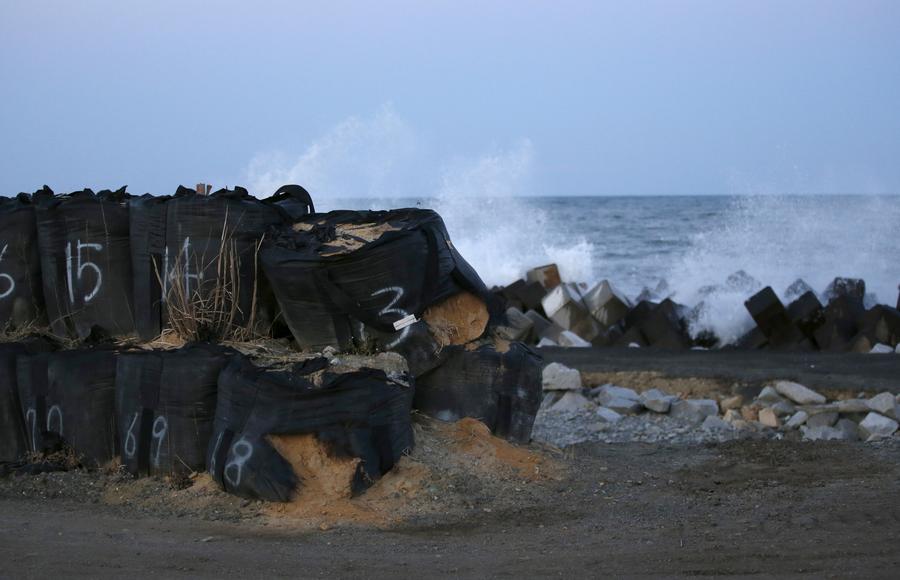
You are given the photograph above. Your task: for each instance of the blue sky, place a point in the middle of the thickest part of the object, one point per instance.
(410, 98)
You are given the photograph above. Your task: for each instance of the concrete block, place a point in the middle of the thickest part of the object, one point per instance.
(510, 293)
(547, 276)
(632, 336)
(664, 327)
(768, 312)
(569, 339)
(657, 401)
(543, 328)
(518, 327)
(798, 393)
(639, 313)
(798, 288)
(753, 340)
(609, 336)
(851, 288)
(531, 294)
(559, 377)
(807, 314)
(882, 323)
(564, 307)
(840, 326)
(606, 304)
(741, 281)
(876, 426)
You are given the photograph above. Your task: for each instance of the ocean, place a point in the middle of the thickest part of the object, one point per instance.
(687, 246)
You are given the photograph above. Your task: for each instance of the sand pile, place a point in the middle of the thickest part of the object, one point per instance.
(459, 319)
(456, 468)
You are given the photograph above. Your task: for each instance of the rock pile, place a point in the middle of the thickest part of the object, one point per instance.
(570, 413)
(543, 309)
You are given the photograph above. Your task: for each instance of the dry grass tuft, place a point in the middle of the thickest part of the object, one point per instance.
(210, 310)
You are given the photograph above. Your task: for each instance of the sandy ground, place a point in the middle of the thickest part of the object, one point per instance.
(788, 508)
(745, 508)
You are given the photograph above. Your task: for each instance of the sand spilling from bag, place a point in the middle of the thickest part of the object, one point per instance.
(459, 319)
(455, 468)
(351, 237)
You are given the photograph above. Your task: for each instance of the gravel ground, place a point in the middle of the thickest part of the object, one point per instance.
(564, 428)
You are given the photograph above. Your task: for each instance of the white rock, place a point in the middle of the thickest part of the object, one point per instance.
(569, 339)
(822, 420)
(608, 415)
(798, 393)
(608, 392)
(733, 416)
(693, 410)
(876, 426)
(783, 408)
(797, 419)
(849, 428)
(624, 406)
(657, 400)
(550, 398)
(713, 423)
(823, 433)
(546, 342)
(886, 404)
(768, 396)
(559, 377)
(769, 417)
(572, 401)
(853, 406)
(881, 349)
(633, 345)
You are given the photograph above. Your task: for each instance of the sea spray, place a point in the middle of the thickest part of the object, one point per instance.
(778, 239)
(692, 242)
(500, 232)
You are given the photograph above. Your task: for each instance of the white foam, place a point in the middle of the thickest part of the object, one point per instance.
(777, 239)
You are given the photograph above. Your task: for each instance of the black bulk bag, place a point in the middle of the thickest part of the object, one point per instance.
(346, 278)
(21, 294)
(13, 443)
(86, 262)
(184, 236)
(165, 406)
(500, 386)
(70, 397)
(363, 414)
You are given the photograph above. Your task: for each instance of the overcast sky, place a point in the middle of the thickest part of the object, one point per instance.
(403, 98)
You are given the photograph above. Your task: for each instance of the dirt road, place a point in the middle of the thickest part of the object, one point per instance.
(751, 507)
(743, 508)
